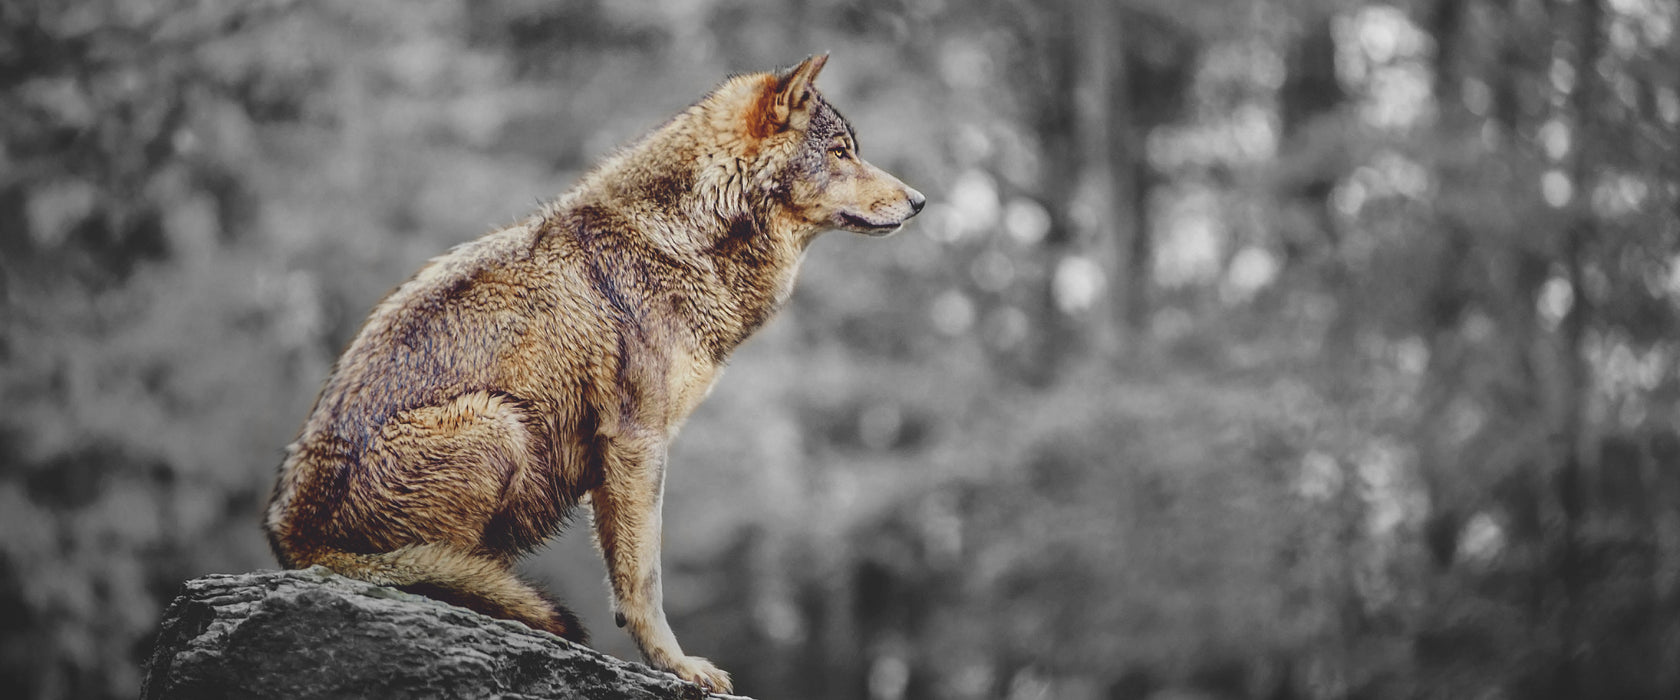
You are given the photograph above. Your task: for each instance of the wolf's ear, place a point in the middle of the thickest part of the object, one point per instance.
(790, 91)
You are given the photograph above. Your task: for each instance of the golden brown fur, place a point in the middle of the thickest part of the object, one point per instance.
(556, 359)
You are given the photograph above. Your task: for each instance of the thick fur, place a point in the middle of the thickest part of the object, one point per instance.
(555, 360)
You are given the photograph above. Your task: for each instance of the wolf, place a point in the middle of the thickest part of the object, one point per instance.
(551, 363)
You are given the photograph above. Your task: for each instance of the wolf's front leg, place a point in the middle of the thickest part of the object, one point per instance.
(627, 529)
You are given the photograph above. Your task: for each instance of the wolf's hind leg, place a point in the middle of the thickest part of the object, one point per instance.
(443, 473)
(473, 582)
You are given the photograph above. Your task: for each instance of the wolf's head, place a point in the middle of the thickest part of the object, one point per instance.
(765, 147)
(763, 155)
(809, 161)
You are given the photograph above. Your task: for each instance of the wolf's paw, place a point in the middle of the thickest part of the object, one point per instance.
(701, 672)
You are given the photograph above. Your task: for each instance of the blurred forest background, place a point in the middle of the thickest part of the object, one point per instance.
(1247, 349)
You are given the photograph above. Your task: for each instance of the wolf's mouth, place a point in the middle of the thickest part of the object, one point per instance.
(859, 224)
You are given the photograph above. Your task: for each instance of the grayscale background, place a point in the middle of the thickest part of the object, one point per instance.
(1270, 349)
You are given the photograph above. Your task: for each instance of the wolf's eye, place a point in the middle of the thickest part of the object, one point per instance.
(841, 152)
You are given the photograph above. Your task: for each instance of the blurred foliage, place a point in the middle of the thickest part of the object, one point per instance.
(1283, 349)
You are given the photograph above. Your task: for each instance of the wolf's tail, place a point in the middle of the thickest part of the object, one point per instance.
(442, 573)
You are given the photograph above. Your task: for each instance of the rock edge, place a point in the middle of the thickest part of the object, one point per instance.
(315, 634)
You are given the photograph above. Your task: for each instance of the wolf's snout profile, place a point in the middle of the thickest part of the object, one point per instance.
(557, 358)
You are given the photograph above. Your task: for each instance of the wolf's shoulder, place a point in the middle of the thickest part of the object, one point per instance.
(503, 257)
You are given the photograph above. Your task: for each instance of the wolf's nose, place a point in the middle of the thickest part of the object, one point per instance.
(917, 201)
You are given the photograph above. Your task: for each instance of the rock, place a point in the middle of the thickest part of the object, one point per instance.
(314, 634)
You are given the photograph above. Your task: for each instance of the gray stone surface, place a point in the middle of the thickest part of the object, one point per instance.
(314, 634)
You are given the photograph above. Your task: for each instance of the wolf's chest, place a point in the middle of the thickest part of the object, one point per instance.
(688, 380)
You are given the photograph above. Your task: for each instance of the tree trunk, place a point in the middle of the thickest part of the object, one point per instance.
(1575, 378)
(1105, 126)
